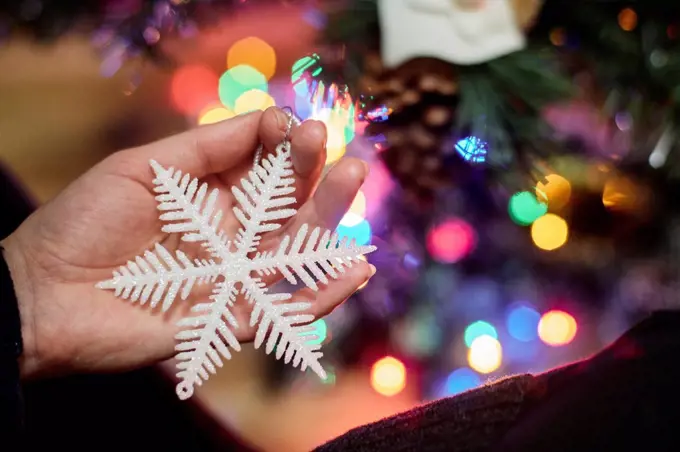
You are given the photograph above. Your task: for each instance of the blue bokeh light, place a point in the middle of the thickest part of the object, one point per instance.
(522, 323)
(303, 107)
(472, 149)
(477, 329)
(360, 232)
(460, 380)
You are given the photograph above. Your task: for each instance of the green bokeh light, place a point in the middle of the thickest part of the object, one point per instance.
(350, 128)
(524, 208)
(239, 80)
(320, 331)
(300, 67)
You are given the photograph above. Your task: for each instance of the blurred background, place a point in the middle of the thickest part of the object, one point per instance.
(522, 184)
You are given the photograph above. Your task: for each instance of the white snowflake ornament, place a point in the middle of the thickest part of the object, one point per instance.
(235, 266)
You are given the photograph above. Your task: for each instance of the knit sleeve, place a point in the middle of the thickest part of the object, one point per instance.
(17, 205)
(472, 421)
(11, 416)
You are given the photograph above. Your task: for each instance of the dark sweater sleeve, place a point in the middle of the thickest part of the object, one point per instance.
(16, 206)
(472, 421)
(11, 416)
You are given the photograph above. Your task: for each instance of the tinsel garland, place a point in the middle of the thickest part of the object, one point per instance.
(120, 29)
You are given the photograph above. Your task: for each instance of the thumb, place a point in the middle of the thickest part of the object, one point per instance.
(207, 149)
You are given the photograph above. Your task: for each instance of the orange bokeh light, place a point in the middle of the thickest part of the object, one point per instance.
(557, 328)
(253, 52)
(388, 376)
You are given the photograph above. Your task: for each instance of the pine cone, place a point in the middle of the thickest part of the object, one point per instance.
(421, 96)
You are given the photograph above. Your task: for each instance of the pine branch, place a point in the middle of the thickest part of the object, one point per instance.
(322, 256)
(182, 200)
(263, 199)
(147, 277)
(285, 323)
(206, 339)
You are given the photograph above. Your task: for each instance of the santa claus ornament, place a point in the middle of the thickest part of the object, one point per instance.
(427, 50)
(457, 31)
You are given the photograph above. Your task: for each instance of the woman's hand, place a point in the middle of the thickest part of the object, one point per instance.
(108, 216)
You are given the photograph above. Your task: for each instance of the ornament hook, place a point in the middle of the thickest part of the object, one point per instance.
(286, 138)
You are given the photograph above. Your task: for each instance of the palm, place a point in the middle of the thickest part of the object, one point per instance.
(108, 217)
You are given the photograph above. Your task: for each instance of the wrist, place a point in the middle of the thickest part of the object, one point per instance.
(24, 293)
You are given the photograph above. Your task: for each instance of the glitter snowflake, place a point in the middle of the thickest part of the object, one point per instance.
(235, 266)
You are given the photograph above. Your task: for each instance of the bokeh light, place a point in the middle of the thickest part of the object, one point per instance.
(549, 232)
(522, 323)
(192, 88)
(320, 330)
(356, 212)
(623, 195)
(557, 328)
(238, 80)
(478, 329)
(485, 354)
(300, 68)
(555, 192)
(253, 52)
(335, 122)
(524, 208)
(388, 376)
(628, 19)
(472, 149)
(461, 380)
(451, 240)
(558, 37)
(361, 232)
(253, 100)
(331, 376)
(215, 114)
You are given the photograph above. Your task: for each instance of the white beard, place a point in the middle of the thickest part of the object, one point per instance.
(443, 29)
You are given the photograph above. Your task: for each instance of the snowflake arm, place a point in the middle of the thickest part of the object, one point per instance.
(147, 278)
(263, 199)
(285, 322)
(322, 256)
(205, 338)
(182, 200)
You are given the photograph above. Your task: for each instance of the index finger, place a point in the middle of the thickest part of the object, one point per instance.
(205, 150)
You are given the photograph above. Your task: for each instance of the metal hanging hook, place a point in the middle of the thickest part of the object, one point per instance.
(292, 120)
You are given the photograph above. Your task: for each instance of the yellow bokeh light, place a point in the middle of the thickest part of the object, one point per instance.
(336, 122)
(335, 146)
(356, 212)
(549, 232)
(359, 204)
(485, 354)
(557, 328)
(253, 52)
(555, 192)
(215, 114)
(621, 194)
(252, 100)
(388, 376)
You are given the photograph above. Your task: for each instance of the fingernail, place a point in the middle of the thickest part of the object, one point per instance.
(281, 119)
(367, 168)
(372, 269)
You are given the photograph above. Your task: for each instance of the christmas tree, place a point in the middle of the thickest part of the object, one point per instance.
(533, 147)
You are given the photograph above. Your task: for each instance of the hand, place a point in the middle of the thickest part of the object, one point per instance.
(108, 216)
